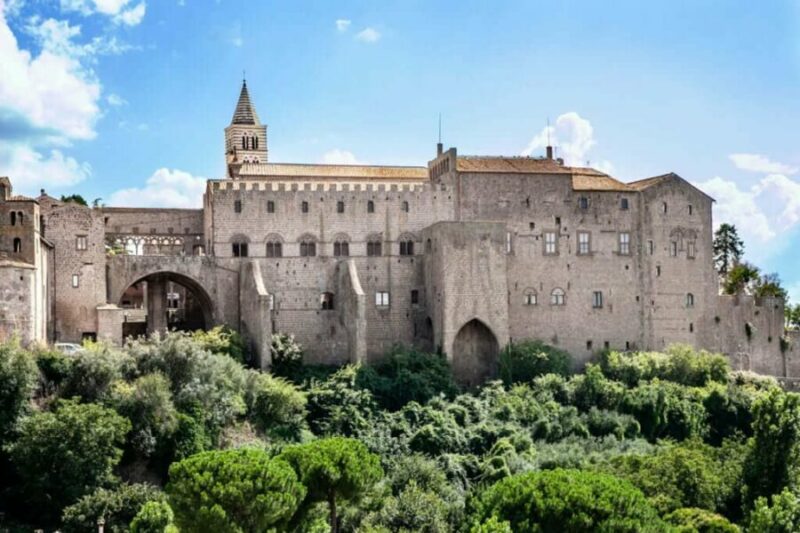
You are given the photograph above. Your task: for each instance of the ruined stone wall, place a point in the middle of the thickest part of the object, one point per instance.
(17, 302)
(254, 310)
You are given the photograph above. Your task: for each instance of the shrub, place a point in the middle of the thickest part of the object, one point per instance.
(153, 517)
(63, 455)
(778, 514)
(679, 363)
(566, 500)
(54, 369)
(414, 510)
(147, 403)
(94, 370)
(690, 520)
(406, 375)
(337, 406)
(665, 409)
(523, 361)
(287, 355)
(233, 491)
(593, 390)
(17, 381)
(117, 507)
(275, 406)
(223, 340)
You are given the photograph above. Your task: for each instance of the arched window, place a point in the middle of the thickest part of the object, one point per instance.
(530, 297)
(239, 246)
(404, 206)
(374, 246)
(244, 142)
(406, 246)
(17, 245)
(689, 299)
(326, 301)
(341, 246)
(664, 208)
(308, 246)
(557, 297)
(255, 143)
(19, 217)
(370, 206)
(13, 218)
(690, 209)
(274, 246)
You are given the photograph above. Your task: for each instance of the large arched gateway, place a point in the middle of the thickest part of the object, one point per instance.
(165, 300)
(475, 352)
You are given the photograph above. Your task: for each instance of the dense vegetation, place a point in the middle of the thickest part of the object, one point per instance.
(177, 434)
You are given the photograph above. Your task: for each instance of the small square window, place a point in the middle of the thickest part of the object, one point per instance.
(382, 298)
(341, 249)
(340, 207)
(589, 345)
(237, 206)
(81, 243)
(404, 207)
(623, 204)
(414, 296)
(597, 300)
(270, 206)
(370, 206)
(76, 281)
(239, 249)
(304, 207)
(374, 249)
(583, 202)
(530, 298)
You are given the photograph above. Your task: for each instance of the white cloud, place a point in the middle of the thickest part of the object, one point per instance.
(53, 91)
(342, 25)
(368, 35)
(30, 170)
(760, 163)
(165, 188)
(340, 157)
(115, 100)
(118, 10)
(573, 138)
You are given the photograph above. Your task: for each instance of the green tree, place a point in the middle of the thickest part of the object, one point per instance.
(223, 340)
(18, 375)
(774, 457)
(792, 314)
(116, 506)
(742, 279)
(153, 517)
(525, 360)
(406, 375)
(412, 511)
(65, 454)
(728, 248)
(74, 198)
(566, 501)
(691, 520)
(769, 286)
(236, 491)
(333, 470)
(276, 406)
(94, 370)
(778, 514)
(147, 403)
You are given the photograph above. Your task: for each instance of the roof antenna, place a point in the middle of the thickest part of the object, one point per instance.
(549, 146)
(439, 146)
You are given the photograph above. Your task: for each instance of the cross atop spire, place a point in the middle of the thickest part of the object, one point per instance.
(245, 113)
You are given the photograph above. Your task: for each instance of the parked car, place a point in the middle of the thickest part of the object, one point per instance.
(68, 348)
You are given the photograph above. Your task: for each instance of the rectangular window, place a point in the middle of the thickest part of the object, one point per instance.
(690, 249)
(341, 249)
(658, 271)
(550, 247)
(406, 247)
(414, 296)
(584, 246)
(583, 202)
(651, 248)
(340, 207)
(304, 207)
(308, 249)
(623, 204)
(76, 281)
(508, 242)
(239, 249)
(374, 248)
(673, 248)
(271, 302)
(270, 206)
(625, 243)
(237, 206)
(382, 298)
(81, 243)
(597, 299)
(274, 249)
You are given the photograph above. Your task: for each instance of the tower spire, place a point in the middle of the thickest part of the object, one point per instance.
(245, 113)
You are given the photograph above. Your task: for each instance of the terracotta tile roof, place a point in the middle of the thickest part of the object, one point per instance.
(597, 182)
(649, 182)
(358, 172)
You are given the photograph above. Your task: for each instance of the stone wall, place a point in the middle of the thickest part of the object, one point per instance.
(255, 323)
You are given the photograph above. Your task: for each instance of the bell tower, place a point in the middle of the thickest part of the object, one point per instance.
(245, 137)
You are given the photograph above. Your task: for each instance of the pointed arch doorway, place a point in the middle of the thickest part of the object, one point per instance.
(475, 352)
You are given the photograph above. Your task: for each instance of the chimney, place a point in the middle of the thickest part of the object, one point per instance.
(439, 149)
(549, 152)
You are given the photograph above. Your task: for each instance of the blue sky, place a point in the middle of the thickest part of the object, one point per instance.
(126, 100)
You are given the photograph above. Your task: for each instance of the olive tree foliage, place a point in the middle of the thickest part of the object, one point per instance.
(233, 491)
(18, 376)
(565, 500)
(773, 462)
(333, 470)
(65, 454)
(117, 507)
